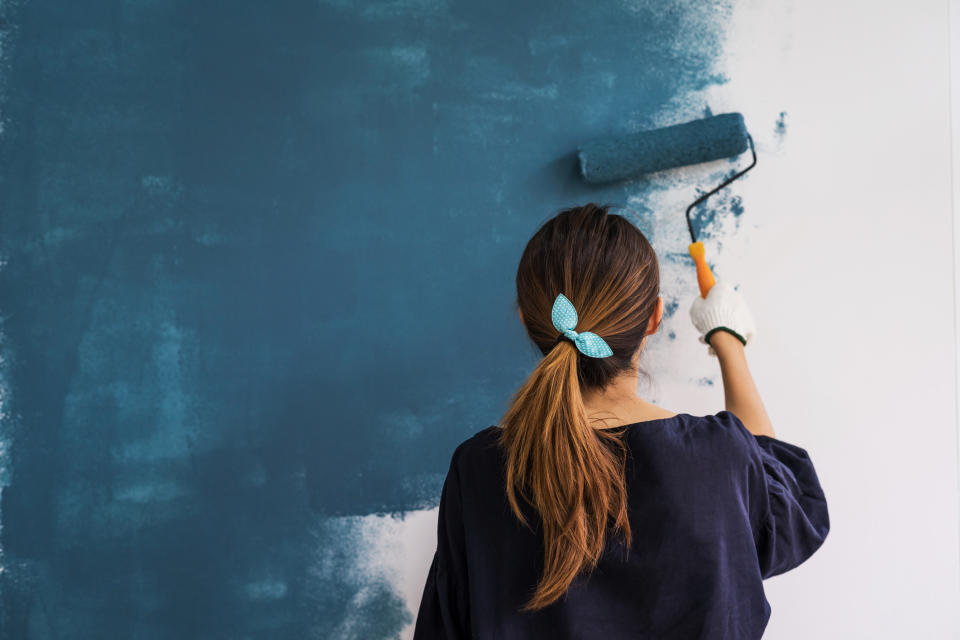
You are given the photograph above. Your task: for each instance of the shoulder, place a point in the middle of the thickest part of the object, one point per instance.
(757, 446)
(476, 448)
(728, 436)
(477, 443)
(730, 424)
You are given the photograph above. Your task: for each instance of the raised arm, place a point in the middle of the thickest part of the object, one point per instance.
(726, 325)
(739, 391)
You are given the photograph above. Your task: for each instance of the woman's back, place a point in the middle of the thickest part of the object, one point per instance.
(553, 527)
(713, 509)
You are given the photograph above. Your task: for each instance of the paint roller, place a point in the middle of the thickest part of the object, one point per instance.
(712, 138)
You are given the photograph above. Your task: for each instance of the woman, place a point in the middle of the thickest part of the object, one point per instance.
(591, 513)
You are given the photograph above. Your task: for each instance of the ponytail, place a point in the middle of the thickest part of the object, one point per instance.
(570, 471)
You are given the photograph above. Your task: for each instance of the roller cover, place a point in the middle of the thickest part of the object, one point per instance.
(629, 156)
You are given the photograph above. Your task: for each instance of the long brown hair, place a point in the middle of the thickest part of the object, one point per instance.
(571, 472)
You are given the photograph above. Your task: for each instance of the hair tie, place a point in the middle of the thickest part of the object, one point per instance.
(564, 318)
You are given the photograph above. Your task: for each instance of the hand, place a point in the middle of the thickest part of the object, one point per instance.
(723, 309)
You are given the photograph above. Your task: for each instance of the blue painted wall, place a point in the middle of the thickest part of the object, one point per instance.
(258, 272)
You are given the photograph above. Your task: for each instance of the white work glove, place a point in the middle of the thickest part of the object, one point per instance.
(723, 307)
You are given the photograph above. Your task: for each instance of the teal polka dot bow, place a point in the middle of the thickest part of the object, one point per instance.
(565, 319)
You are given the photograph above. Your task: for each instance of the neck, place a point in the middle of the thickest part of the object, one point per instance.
(620, 394)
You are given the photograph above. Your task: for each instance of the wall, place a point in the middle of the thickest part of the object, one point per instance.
(257, 278)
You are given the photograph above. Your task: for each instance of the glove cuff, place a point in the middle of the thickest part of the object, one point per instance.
(739, 337)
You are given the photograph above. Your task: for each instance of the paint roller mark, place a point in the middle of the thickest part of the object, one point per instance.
(398, 69)
(161, 186)
(549, 43)
(678, 257)
(149, 492)
(670, 307)
(711, 79)
(368, 573)
(780, 128)
(736, 206)
(711, 220)
(517, 91)
(641, 216)
(388, 9)
(398, 8)
(6, 423)
(265, 590)
(482, 126)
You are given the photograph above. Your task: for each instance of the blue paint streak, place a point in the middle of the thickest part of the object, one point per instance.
(704, 218)
(670, 307)
(780, 128)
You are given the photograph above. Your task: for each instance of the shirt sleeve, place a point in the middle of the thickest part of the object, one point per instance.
(787, 505)
(444, 607)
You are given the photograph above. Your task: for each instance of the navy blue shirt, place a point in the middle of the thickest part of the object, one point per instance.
(714, 511)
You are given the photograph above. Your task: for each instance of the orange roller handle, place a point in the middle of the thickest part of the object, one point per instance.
(704, 276)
